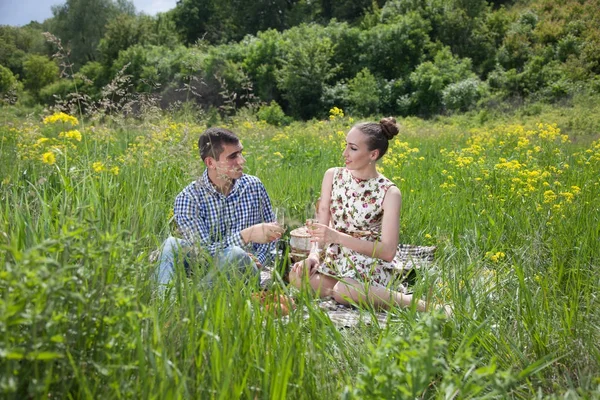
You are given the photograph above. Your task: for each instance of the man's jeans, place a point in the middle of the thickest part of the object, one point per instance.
(232, 261)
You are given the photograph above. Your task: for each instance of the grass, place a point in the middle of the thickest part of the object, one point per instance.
(512, 206)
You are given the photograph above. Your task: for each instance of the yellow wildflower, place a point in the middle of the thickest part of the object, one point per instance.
(568, 196)
(74, 134)
(335, 112)
(114, 170)
(549, 196)
(48, 158)
(495, 257)
(61, 117)
(98, 166)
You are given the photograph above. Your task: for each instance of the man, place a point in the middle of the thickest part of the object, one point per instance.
(226, 213)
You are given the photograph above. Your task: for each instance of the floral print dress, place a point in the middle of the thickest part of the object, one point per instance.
(357, 210)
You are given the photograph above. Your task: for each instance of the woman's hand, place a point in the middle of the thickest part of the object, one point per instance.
(310, 264)
(322, 234)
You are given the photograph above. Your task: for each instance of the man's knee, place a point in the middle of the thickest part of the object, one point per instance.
(239, 259)
(172, 244)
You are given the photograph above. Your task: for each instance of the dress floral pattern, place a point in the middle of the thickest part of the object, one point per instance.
(357, 209)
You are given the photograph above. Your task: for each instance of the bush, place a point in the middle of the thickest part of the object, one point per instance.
(59, 90)
(336, 95)
(389, 93)
(568, 45)
(306, 69)
(39, 72)
(9, 86)
(393, 50)
(463, 95)
(430, 79)
(7, 80)
(262, 60)
(95, 73)
(363, 95)
(418, 364)
(272, 114)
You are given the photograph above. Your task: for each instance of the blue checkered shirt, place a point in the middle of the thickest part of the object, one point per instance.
(214, 221)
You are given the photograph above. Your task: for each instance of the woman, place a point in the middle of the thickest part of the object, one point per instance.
(361, 263)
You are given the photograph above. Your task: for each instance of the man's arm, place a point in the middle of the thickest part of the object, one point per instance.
(195, 228)
(195, 222)
(263, 251)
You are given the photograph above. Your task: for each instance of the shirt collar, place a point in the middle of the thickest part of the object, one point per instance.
(207, 183)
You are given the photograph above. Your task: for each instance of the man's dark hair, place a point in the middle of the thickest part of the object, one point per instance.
(211, 142)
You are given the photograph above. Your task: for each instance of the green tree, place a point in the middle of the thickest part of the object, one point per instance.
(229, 20)
(39, 72)
(151, 67)
(430, 79)
(8, 82)
(198, 19)
(466, 26)
(363, 95)
(16, 43)
(393, 50)
(306, 69)
(262, 61)
(127, 30)
(81, 24)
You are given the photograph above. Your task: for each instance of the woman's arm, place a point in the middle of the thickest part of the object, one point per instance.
(386, 248)
(323, 212)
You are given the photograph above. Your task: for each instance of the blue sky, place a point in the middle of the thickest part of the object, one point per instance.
(21, 12)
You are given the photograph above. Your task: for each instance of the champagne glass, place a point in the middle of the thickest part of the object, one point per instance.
(311, 217)
(279, 216)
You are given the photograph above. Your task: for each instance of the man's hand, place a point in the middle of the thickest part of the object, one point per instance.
(256, 261)
(262, 233)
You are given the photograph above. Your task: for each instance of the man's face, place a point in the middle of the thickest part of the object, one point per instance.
(230, 164)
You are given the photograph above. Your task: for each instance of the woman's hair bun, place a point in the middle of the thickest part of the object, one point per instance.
(389, 127)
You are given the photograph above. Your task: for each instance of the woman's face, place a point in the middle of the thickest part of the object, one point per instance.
(357, 154)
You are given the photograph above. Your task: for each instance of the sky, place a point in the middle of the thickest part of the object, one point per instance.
(22, 12)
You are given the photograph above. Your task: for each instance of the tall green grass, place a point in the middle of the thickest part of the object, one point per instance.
(80, 317)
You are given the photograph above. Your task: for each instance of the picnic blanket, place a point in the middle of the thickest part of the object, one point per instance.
(413, 257)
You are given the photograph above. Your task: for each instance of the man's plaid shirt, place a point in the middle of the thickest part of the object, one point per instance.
(214, 221)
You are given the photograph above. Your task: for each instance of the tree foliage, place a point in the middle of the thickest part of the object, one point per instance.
(368, 56)
(306, 68)
(39, 71)
(81, 24)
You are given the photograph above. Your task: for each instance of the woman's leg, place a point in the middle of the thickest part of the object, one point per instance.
(348, 290)
(322, 285)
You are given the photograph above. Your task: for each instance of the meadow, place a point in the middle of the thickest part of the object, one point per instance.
(513, 207)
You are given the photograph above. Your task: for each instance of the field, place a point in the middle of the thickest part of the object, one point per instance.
(513, 208)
